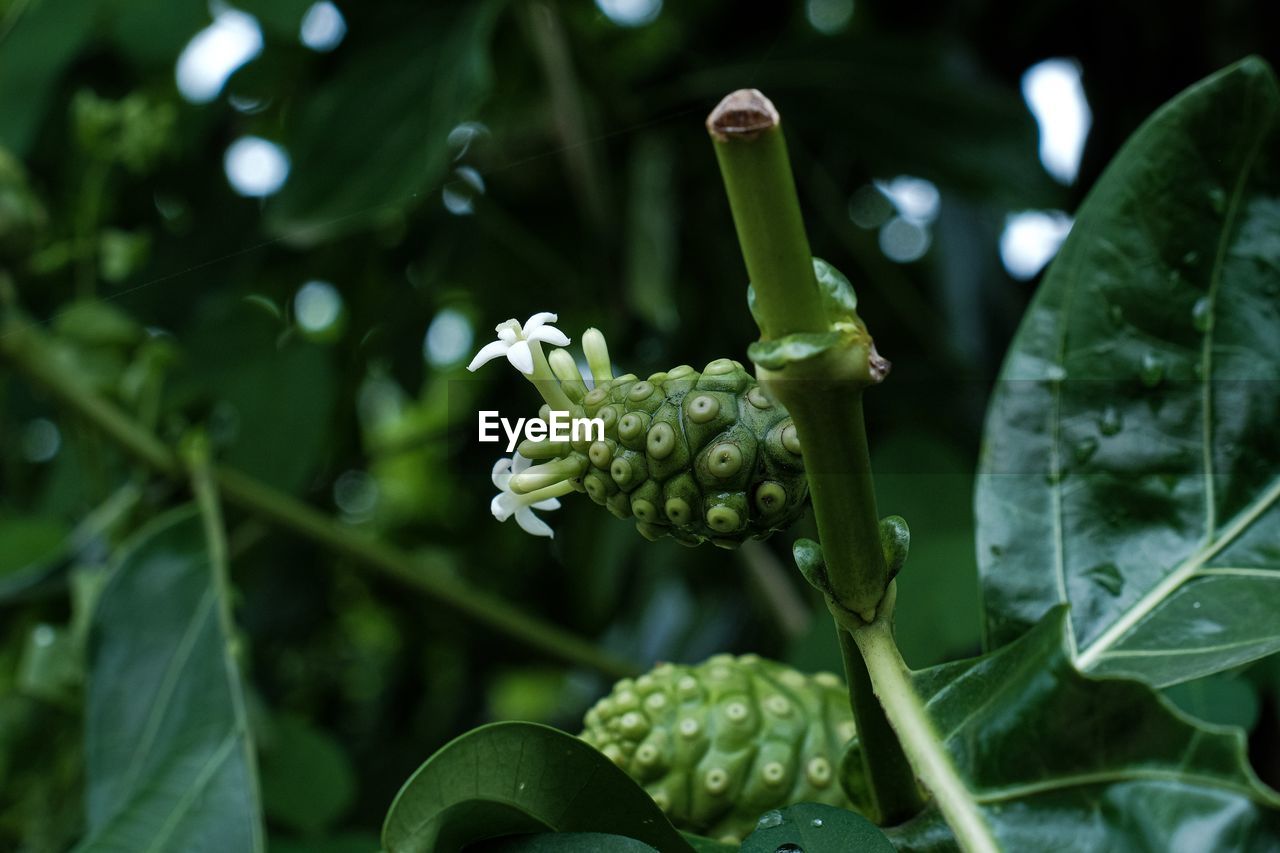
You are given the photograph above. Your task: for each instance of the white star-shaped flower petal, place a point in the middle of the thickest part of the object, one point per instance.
(507, 503)
(513, 341)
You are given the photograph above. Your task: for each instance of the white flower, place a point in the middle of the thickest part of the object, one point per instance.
(507, 503)
(514, 340)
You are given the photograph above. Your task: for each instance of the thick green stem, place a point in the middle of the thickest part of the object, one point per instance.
(895, 794)
(824, 397)
(22, 344)
(833, 441)
(752, 153)
(924, 749)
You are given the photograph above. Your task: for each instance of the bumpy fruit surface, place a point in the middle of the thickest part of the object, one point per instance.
(719, 744)
(698, 456)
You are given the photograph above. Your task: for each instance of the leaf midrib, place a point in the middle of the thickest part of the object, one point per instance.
(1049, 786)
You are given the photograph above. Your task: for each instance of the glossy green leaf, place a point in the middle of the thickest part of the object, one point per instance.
(1130, 465)
(361, 153)
(167, 747)
(815, 828)
(518, 778)
(1054, 759)
(563, 842)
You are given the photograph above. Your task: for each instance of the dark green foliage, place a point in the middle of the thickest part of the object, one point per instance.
(718, 744)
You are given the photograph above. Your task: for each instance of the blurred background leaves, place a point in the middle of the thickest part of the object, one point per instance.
(292, 222)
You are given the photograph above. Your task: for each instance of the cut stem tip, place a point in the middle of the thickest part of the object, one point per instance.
(743, 114)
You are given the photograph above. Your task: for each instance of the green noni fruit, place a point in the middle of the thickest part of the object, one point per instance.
(698, 456)
(718, 744)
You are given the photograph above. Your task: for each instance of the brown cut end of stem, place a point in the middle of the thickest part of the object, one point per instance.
(743, 114)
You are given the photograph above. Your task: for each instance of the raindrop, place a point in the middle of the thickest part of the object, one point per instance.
(828, 16)
(1190, 258)
(1085, 449)
(1111, 421)
(1107, 576)
(256, 167)
(1151, 371)
(44, 635)
(789, 848)
(323, 27)
(41, 440)
(769, 820)
(1195, 605)
(459, 194)
(1202, 314)
(1055, 373)
(317, 306)
(816, 823)
(903, 241)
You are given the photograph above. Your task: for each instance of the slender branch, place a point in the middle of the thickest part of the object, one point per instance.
(824, 401)
(22, 344)
(924, 749)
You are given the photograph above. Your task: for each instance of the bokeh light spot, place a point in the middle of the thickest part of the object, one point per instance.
(630, 13)
(256, 167)
(214, 53)
(459, 194)
(915, 199)
(317, 306)
(828, 16)
(1031, 239)
(448, 339)
(323, 27)
(869, 207)
(1055, 94)
(41, 440)
(356, 495)
(904, 241)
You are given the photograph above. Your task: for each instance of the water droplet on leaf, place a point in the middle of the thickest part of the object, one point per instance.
(817, 823)
(1111, 422)
(1107, 576)
(1055, 373)
(770, 819)
(1151, 372)
(1085, 449)
(1202, 314)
